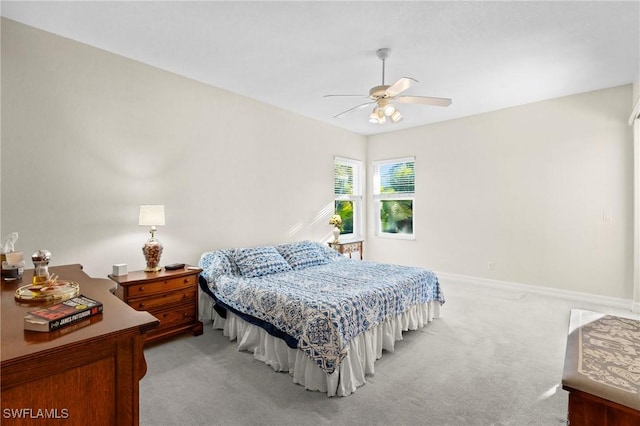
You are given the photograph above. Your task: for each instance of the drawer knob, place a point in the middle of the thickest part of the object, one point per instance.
(186, 280)
(140, 305)
(141, 288)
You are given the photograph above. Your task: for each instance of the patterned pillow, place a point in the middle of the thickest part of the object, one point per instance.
(216, 263)
(331, 254)
(303, 254)
(259, 261)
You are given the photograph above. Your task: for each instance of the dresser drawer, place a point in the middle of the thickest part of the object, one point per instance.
(171, 296)
(159, 300)
(161, 286)
(182, 314)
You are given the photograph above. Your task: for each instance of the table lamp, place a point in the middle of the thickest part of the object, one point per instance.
(152, 215)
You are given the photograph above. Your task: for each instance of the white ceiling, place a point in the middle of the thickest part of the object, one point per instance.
(484, 55)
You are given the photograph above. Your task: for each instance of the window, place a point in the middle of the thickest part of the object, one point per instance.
(348, 195)
(393, 194)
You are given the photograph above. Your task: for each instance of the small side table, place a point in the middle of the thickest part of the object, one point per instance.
(349, 247)
(171, 296)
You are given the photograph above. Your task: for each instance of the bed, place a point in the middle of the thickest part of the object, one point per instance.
(305, 309)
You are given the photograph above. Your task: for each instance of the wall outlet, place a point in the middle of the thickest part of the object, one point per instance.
(491, 266)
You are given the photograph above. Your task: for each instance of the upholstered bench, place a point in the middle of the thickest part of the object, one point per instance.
(602, 370)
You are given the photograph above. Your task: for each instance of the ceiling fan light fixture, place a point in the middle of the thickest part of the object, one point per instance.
(387, 107)
(383, 96)
(396, 116)
(389, 110)
(373, 118)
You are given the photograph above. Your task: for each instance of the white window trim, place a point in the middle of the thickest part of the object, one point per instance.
(378, 197)
(357, 198)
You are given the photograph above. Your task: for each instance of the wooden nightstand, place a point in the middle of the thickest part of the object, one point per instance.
(170, 296)
(347, 247)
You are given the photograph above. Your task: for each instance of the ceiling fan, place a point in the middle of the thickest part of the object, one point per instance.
(384, 96)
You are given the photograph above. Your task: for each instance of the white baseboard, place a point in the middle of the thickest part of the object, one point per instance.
(614, 302)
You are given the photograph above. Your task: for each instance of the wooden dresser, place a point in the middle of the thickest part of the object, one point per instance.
(86, 373)
(171, 296)
(601, 370)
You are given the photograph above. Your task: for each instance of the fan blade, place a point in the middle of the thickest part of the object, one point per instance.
(354, 108)
(358, 96)
(424, 100)
(400, 86)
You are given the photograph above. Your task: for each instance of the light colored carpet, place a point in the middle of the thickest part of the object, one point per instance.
(495, 357)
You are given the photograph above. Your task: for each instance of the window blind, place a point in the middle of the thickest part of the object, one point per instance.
(342, 179)
(398, 178)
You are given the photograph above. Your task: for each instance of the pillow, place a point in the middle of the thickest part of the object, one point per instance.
(260, 261)
(303, 254)
(332, 254)
(214, 264)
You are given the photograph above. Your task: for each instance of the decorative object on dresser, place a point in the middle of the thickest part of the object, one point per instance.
(46, 292)
(87, 373)
(152, 215)
(348, 247)
(336, 221)
(169, 295)
(120, 269)
(40, 259)
(601, 368)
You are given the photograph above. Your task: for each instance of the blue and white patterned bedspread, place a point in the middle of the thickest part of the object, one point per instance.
(325, 306)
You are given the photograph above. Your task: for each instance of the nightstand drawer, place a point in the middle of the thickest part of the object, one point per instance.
(154, 287)
(169, 295)
(175, 297)
(172, 317)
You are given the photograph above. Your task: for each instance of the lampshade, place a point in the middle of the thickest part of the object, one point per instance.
(386, 106)
(373, 118)
(151, 215)
(396, 116)
(382, 110)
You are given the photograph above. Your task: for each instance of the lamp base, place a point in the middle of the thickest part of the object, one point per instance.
(152, 251)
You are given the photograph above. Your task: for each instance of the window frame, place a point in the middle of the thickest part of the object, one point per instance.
(379, 197)
(356, 198)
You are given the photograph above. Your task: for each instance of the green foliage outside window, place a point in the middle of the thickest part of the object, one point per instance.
(345, 210)
(396, 211)
(396, 216)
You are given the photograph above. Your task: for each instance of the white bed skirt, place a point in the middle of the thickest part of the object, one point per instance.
(364, 350)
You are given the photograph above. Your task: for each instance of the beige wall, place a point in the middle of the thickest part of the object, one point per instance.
(636, 87)
(525, 188)
(87, 136)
